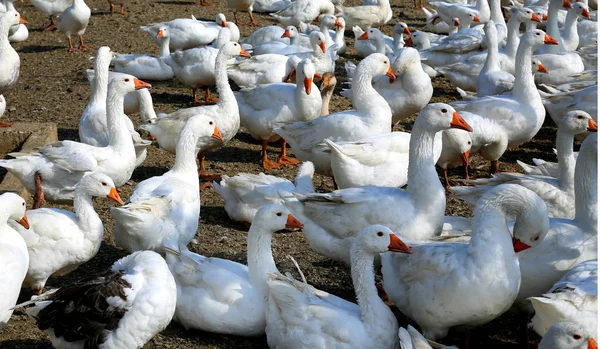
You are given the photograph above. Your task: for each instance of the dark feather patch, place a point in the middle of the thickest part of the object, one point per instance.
(80, 311)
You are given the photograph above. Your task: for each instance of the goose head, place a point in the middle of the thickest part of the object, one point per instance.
(103, 58)
(378, 64)
(340, 24)
(558, 4)
(233, 49)
(537, 66)
(531, 223)
(407, 59)
(205, 129)
(317, 41)
(576, 122)
(273, 218)
(328, 82)
(14, 207)
(419, 40)
(99, 185)
(467, 16)
(456, 22)
(460, 142)
(163, 33)
(221, 20)
(326, 7)
(536, 38)
(441, 116)
(126, 83)
(401, 28)
(328, 20)
(372, 34)
(525, 15)
(377, 239)
(567, 335)
(290, 32)
(11, 18)
(308, 72)
(581, 9)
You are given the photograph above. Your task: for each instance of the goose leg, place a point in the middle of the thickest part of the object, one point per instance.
(71, 48)
(283, 159)
(122, 11)
(112, 7)
(6, 124)
(237, 20)
(208, 177)
(466, 173)
(266, 163)
(81, 45)
(196, 101)
(208, 98)
(205, 3)
(252, 23)
(38, 197)
(446, 181)
(51, 26)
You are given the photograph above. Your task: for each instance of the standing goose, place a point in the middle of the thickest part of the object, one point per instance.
(301, 316)
(442, 285)
(222, 296)
(55, 169)
(123, 307)
(14, 258)
(9, 58)
(168, 206)
(74, 20)
(59, 241)
(492, 80)
(332, 220)
(51, 8)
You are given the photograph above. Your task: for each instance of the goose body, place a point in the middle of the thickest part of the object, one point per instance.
(10, 62)
(74, 20)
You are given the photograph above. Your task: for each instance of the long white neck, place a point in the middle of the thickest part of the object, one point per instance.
(118, 133)
(483, 7)
(88, 220)
(100, 89)
(377, 317)
(4, 44)
(586, 191)
(295, 40)
(492, 61)
(226, 95)
(512, 39)
(185, 155)
(524, 87)
(364, 96)
(303, 101)
(496, 12)
(339, 36)
(164, 47)
(566, 160)
(424, 44)
(10, 5)
(398, 41)
(379, 45)
(553, 31)
(570, 33)
(260, 257)
(78, 3)
(424, 186)
(147, 113)
(530, 25)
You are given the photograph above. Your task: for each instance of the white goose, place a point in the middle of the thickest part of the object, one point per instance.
(574, 298)
(132, 302)
(145, 66)
(410, 338)
(262, 69)
(51, 8)
(17, 33)
(13, 254)
(366, 47)
(280, 47)
(412, 281)
(569, 242)
(185, 33)
(245, 193)
(321, 57)
(57, 167)
(431, 57)
(268, 106)
(10, 62)
(233, 295)
(559, 194)
(168, 206)
(567, 335)
(371, 117)
(570, 35)
(59, 241)
(559, 104)
(332, 220)
(492, 80)
(2, 110)
(301, 316)
(447, 10)
(74, 20)
(303, 11)
(367, 16)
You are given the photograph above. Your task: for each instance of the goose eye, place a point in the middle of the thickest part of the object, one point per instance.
(234, 44)
(469, 142)
(127, 80)
(23, 204)
(279, 214)
(576, 337)
(210, 122)
(444, 111)
(379, 233)
(580, 116)
(536, 238)
(538, 34)
(104, 184)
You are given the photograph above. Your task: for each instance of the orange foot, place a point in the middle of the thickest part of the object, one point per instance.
(6, 124)
(288, 161)
(270, 165)
(212, 100)
(254, 24)
(205, 185)
(50, 27)
(209, 177)
(205, 3)
(83, 47)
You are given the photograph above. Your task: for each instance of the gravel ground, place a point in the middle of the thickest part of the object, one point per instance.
(53, 88)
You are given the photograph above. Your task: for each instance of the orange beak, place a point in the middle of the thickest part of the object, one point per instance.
(465, 157)
(24, 222)
(292, 223)
(307, 85)
(476, 19)
(456, 22)
(460, 123)
(586, 13)
(364, 36)
(23, 21)
(217, 135)
(114, 196)
(542, 69)
(223, 23)
(338, 24)
(592, 344)
(322, 46)
(548, 40)
(244, 53)
(408, 42)
(535, 18)
(286, 34)
(544, 17)
(390, 74)
(318, 76)
(518, 245)
(160, 34)
(397, 245)
(139, 84)
(592, 126)
(406, 31)
(567, 4)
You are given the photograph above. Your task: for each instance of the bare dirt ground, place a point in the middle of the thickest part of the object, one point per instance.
(53, 88)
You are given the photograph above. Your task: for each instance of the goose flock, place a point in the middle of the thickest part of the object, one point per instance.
(530, 246)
